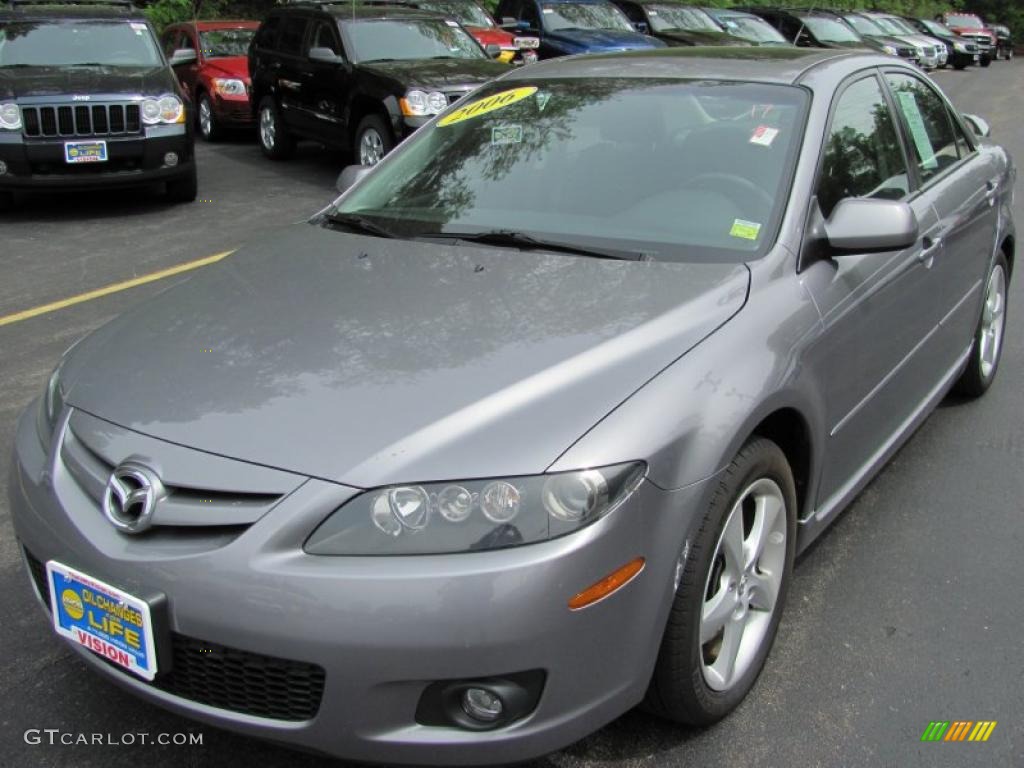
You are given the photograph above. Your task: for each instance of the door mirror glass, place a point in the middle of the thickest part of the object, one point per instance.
(642, 27)
(859, 225)
(979, 125)
(183, 56)
(350, 176)
(324, 56)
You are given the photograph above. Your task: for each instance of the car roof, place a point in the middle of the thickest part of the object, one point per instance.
(784, 66)
(359, 12)
(88, 10)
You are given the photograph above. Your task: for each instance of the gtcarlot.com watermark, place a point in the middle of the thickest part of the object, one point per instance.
(55, 736)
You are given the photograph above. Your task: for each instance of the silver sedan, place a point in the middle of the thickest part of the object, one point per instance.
(527, 427)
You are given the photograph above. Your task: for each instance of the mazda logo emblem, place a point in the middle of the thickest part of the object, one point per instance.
(131, 496)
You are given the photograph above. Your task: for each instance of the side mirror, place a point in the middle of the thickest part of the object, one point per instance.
(642, 27)
(493, 50)
(183, 56)
(866, 225)
(324, 56)
(979, 125)
(350, 175)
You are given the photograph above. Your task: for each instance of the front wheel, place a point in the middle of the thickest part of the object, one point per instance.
(987, 349)
(986, 61)
(731, 583)
(184, 189)
(209, 128)
(373, 140)
(274, 139)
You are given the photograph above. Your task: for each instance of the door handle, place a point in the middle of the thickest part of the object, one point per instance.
(931, 246)
(991, 191)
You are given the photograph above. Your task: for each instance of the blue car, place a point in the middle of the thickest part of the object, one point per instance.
(574, 26)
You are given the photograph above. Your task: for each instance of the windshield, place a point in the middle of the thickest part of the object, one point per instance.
(665, 17)
(963, 20)
(393, 39)
(470, 14)
(221, 43)
(936, 28)
(676, 169)
(752, 28)
(890, 27)
(864, 25)
(584, 16)
(77, 43)
(830, 30)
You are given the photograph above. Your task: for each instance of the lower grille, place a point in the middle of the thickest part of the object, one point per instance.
(81, 120)
(228, 678)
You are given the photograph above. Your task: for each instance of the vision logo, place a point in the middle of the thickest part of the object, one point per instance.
(958, 730)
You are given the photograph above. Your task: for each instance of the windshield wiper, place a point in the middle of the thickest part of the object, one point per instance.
(356, 223)
(522, 241)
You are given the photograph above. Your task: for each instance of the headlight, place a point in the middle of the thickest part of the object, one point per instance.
(229, 86)
(960, 47)
(421, 103)
(891, 50)
(50, 406)
(10, 116)
(474, 515)
(166, 109)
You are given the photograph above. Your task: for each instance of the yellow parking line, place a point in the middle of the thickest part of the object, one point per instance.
(114, 288)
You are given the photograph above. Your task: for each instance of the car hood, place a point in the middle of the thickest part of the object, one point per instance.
(229, 66)
(367, 361)
(694, 37)
(437, 73)
(28, 82)
(602, 39)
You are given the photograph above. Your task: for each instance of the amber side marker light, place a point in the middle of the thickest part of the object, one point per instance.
(610, 583)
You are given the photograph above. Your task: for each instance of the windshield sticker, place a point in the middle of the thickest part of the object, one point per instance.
(542, 100)
(451, 23)
(140, 29)
(915, 121)
(748, 230)
(488, 104)
(548, 10)
(652, 13)
(764, 136)
(506, 134)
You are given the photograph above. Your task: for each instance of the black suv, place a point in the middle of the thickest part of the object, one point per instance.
(828, 29)
(359, 77)
(87, 99)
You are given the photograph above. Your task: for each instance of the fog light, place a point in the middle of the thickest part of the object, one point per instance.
(482, 705)
(3, 167)
(171, 159)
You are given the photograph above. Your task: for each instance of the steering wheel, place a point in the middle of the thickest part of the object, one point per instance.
(745, 193)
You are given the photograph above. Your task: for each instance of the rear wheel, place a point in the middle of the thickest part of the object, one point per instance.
(6, 201)
(731, 583)
(274, 139)
(373, 140)
(209, 128)
(987, 350)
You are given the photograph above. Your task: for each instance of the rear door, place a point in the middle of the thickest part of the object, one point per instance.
(326, 86)
(875, 356)
(961, 184)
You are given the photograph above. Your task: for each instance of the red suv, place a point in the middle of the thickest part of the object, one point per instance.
(217, 77)
(971, 26)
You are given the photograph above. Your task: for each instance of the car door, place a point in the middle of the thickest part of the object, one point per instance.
(288, 65)
(326, 85)
(188, 74)
(961, 183)
(875, 356)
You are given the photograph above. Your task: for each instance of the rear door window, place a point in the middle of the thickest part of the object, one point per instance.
(928, 125)
(293, 32)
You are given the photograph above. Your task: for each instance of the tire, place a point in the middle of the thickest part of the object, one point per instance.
(689, 683)
(959, 67)
(990, 336)
(184, 189)
(206, 119)
(986, 61)
(6, 201)
(373, 140)
(274, 138)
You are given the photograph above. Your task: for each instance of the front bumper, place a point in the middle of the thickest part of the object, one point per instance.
(383, 629)
(233, 110)
(133, 160)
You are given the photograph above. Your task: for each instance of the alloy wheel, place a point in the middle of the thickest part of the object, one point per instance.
(743, 584)
(268, 127)
(990, 341)
(205, 117)
(371, 147)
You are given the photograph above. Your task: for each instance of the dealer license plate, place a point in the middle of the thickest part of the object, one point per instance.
(85, 151)
(107, 621)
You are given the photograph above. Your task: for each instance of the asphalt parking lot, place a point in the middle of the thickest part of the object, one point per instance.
(907, 610)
